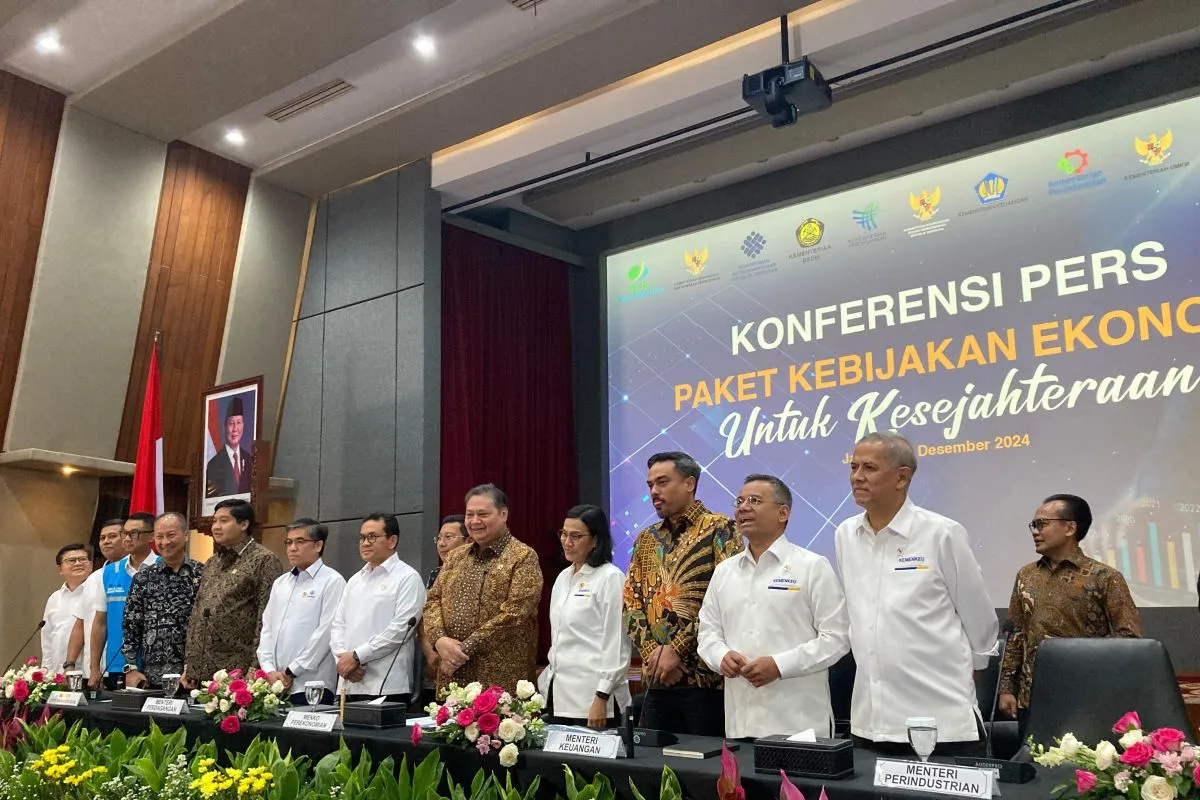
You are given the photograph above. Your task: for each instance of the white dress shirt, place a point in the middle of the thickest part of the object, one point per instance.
(296, 622)
(787, 605)
(93, 600)
(62, 607)
(920, 622)
(589, 649)
(372, 620)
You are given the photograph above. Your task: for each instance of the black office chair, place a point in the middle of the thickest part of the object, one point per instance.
(1002, 731)
(1083, 686)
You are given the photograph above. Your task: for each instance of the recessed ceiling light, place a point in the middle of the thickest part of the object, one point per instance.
(425, 46)
(235, 138)
(48, 43)
(69, 470)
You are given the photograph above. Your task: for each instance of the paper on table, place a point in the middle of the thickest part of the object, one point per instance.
(423, 722)
(378, 701)
(803, 736)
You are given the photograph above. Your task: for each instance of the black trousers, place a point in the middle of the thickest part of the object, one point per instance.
(904, 749)
(391, 698)
(684, 709)
(300, 701)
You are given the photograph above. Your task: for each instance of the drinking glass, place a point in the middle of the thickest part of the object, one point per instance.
(170, 683)
(313, 690)
(922, 735)
(75, 680)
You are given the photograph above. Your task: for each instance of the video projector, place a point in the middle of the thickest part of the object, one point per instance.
(783, 93)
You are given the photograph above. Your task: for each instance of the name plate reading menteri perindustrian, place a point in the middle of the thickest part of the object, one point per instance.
(935, 778)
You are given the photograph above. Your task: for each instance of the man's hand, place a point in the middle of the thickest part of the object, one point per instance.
(666, 661)
(184, 680)
(761, 671)
(346, 663)
(94, 680)
(356, 675)
(451, 653)
(134, 679)
(1007, 704)
(732, 663)
(597, 717)
(674, 676)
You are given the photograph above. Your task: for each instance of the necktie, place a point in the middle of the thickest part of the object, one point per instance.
(237, 468)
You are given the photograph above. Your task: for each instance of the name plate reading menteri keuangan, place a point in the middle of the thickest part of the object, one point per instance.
(163, 705)
(311, 721)
(935, 778)
(596, 745)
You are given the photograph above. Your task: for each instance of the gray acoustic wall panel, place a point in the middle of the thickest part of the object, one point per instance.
(341, 548)
(414, 533)
(412, 228)
(362, 247)
(313, 299)
(410, 400)
(299, 453)
(358, 411)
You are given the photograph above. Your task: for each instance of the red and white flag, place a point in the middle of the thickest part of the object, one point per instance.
(148, 469)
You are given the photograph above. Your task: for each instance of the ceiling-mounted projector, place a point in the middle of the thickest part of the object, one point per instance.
(783, 93)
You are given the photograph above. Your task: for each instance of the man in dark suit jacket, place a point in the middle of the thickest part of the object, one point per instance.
(229, 470)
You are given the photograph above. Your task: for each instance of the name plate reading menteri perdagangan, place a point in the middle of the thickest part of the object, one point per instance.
(596, 745)
(163, 705)
(311, 721)
(935, 778)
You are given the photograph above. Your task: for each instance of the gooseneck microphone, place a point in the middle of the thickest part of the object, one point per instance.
(1007, 631)
(41, 624)
(412, 626)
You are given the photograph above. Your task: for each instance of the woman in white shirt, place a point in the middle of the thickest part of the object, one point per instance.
(587, 680)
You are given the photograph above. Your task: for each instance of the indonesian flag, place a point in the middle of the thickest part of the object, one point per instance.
(148, 470)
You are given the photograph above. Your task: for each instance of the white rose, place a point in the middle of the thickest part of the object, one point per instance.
(471, 732)
(195, 693)
(210, 707)
(220, 675)
(1051, 758)
(525, 689)
(508, 757)
(1069, 745)
(1105, 755)
(473, 690)
(1157, 787)
(507, 730)
(537, 702)
(277, 687)
(8, 691)
(1131, 737)
(225, 705)
(520, 733)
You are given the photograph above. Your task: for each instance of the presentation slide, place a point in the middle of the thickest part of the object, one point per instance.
(1027, 317)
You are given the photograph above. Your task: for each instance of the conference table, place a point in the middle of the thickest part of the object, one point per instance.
(698, 778)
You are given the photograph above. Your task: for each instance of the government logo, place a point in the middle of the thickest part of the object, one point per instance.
(1073, 162)
(865, 219)
(694, 260)
(991, 189)
(810, 232)
(637, 274)
(925, 206)
(1153, 150)
(753, 244)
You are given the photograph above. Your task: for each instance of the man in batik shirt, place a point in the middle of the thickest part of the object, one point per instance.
(669, 572)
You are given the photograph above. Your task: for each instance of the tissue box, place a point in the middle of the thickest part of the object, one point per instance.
(832, 759)
(366, 714)
(131, 700)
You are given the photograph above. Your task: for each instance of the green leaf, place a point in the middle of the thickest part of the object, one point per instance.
(637, 794)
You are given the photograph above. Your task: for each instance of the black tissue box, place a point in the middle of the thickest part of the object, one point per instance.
(127, 700)
(365, 714)
(832, 759)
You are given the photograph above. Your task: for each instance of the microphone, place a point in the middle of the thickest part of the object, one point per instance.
(412, 627)
(652, 737)
(41, 624)
(1007, 631)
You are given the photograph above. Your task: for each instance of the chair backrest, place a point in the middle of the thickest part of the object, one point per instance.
(1083, 686)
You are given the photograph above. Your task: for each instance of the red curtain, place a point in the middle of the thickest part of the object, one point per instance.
(507, 411)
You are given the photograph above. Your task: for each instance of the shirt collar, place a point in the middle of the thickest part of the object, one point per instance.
(493, 550)
(234, 553)
(231, 452)
(312, 568)
(584, 569)
(778, 549)
(687, 518)
(1075, 560)
(387, 566)
(901, 524)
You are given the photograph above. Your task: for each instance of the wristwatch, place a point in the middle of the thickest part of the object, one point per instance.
(130, 668)
(354, 655)
(603, 696)
(288, 671)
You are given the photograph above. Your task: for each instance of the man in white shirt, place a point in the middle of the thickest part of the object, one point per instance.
(74, 565)
(79, 645)
(106, 664)
(921, 620)
(376, 621)
(294, 645)
(772, 622)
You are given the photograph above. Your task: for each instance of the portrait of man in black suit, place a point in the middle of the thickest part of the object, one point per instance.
(229, 471)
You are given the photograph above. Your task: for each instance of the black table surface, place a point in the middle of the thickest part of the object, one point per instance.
(698, 778)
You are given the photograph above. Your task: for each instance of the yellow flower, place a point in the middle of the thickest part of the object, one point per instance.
(260, 785)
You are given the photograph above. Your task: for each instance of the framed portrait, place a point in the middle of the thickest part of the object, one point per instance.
(228, 462)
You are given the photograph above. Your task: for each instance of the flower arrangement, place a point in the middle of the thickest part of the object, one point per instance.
(231, 699)
(1160, 765)
(729, 783)
(30, 683)
(489, 720)
(215, 783)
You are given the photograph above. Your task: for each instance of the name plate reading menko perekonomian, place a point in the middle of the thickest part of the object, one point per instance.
(163, 705)
(596, 745)
(66, 699)
(311, 721)
(935, 778)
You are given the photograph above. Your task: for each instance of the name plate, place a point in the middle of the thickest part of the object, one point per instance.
(312, 721)
(934, 778)
(66, 699)
(596, 745)
(162, 705)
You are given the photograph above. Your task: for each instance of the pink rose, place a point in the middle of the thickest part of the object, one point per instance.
(243, 698)
(496, 690)
(38, 676)
(484, 703)
(29, 662)
(234, 674)
(465, 717)
(1084, 781)
(231, 724)
(212, 687)
(443, 714)
(20, 690)
(1196, 774)
(1171, 763)
(416, 735)
(1138, 755)
(488, 723)
(259, 675)
(237, 686)
(1167, 739)
(1126, 722)
(483, 744)
(242, 714)
(59, 678)
(1187, 753)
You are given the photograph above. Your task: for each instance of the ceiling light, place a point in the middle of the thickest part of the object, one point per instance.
(235, 138)
(48, 43)
(69, 470)
(425, 46)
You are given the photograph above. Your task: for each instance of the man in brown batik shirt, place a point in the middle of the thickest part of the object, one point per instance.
(1063, 594)
(481, 612)
(227, 615)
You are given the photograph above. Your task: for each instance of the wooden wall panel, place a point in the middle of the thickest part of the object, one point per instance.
(30, 118)
(187, 295)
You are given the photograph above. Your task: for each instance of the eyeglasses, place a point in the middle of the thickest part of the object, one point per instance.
(754, 501)
(297, 542)
(1037, 525)
(572, 536)
(369, 538)
(479, 514)
(70, 562)
(449, 537)
(134, 534)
